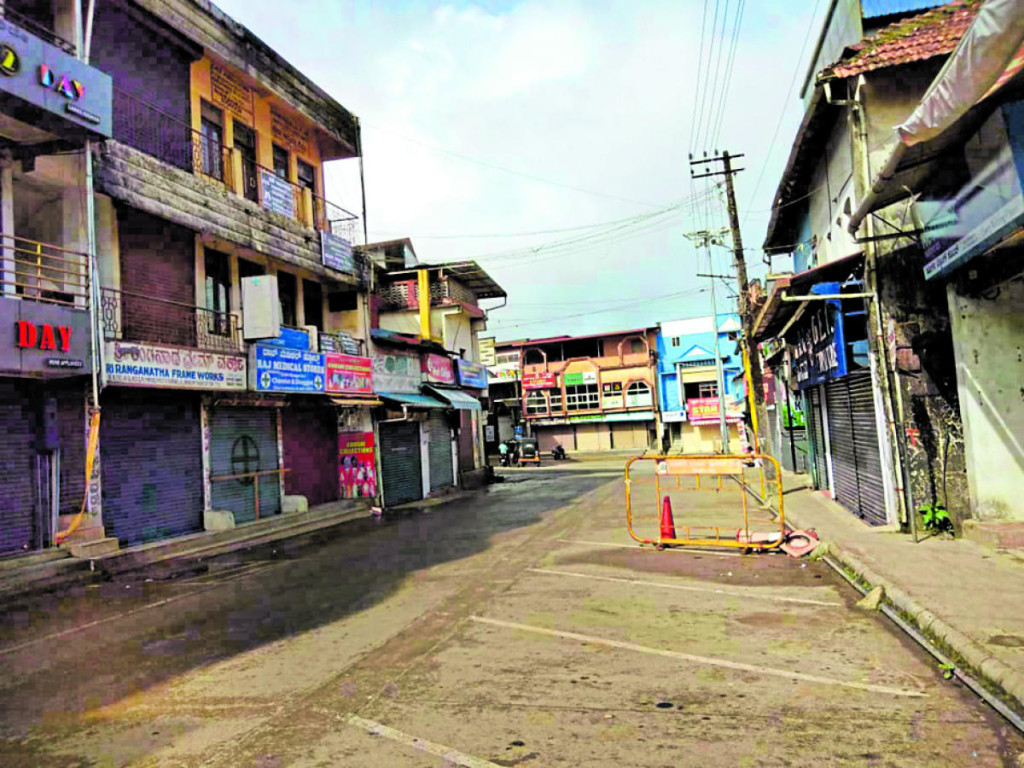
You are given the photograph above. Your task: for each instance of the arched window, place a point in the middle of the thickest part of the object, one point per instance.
(638, 395)
(536, 403)
(637, 347)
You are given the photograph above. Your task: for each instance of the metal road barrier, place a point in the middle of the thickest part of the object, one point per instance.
(754, 475)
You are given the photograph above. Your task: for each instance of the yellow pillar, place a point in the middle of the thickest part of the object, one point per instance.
(424, 299)
(751, 400)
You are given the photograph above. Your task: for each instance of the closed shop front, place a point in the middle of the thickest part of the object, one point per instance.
(467, 435)
(439, 451)
(593, 437)
(243, 455)
(549, 437)
(816, 431)
(400, 462)
(630, 435)
(853, 439)
(17, 465)
(151, 463)
(309, 433)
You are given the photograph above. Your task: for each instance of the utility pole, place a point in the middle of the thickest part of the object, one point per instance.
(746, 311)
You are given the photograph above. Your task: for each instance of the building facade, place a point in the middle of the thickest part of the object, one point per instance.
(589, 393)
(688, 379)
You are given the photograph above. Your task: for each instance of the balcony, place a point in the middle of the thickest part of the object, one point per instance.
(128, 316)
(42, 272)
(443, 292)
(38, 27)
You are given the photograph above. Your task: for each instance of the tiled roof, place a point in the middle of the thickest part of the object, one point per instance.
(932, 33)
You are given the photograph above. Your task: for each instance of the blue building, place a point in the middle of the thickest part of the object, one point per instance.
(688, 383)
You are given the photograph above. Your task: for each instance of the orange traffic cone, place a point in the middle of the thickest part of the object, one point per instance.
(668, 525)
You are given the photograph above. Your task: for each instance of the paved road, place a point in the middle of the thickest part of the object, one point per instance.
(519, 627)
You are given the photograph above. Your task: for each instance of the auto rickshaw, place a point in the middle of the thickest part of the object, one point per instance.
(529, 451)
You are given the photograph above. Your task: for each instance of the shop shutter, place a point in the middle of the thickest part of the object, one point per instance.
(549, 437)
(774, 443)
(151, 464)
(401, 468)
(310, 438)
(467, 436)
(630, 435)
(854, 439)
(869, 460)
(244, 440)
(17, 467)
(816, 425)
(439, 451)
(73, 437)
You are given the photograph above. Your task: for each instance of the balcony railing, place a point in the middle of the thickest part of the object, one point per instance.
(301, 204)
(37, 28)
(43, 272)
(165, 137)
(128, 316)
(405, 294)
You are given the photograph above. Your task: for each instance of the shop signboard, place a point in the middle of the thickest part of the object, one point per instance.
(640, 399)
(632, 416)
(279, 369)
(542, 380)
(278, 195)
(44, 339)
(396, 371)
(502, 373)
(586, 418)
(42, 76)
(816, 350)
(705, 410)
(611, 394)
(357, 472)
(152, 365)
(582, 377)
(292, 338)
(438, 369)
(670, 417)
(336, 252)
(348, 374)
(471, 375)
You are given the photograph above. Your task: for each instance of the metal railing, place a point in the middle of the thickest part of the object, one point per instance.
(37, 28)
(165, 137)
(341, 342)
(334, 219)
(43, 272)
(128, 316)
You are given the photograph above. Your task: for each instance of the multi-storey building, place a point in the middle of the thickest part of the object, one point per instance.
(427, 371)
(53, 104)
(227, 278)
(589, 393)
(688, 384)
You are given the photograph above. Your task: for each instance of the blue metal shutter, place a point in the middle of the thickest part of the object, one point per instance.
(439, 451)
(400, 464)
(17, 467)
(151, 465)
(244, 440)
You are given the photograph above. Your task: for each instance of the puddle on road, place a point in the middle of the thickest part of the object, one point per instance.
(764, 570)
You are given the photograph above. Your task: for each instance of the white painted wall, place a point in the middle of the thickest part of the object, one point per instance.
(988, 339)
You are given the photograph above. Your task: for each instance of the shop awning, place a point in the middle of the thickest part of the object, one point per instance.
(412, 399)
(355, 402)
(456, 398)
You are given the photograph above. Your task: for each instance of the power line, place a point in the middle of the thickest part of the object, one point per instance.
(727, 83)
(503, 169)
(696, 90)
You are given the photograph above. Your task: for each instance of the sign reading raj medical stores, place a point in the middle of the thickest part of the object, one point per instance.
(150, 365)
(42, 76)
(279, 369)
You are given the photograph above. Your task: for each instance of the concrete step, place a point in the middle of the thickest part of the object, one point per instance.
(83, 533)
(90, 548)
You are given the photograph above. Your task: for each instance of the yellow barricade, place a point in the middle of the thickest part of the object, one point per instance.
(746, 475)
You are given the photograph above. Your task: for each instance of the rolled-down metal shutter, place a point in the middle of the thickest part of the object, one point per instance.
(401, 468)
(774, 443)
(853, 435)
(17, 467)
(439, 451)
(869, 460)
(629, 435)
(816, 426)
(309, 435)
(151, 465)
(244, 440)
(549, 437)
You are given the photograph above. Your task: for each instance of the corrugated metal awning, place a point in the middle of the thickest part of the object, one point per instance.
(456, 398)
(350, 402)
(412, 399)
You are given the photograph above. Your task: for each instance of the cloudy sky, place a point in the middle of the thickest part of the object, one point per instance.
(486, 121)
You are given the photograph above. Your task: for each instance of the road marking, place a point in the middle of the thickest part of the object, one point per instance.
(771, 671)
(689, 551)
(449, 755)
(645, 583)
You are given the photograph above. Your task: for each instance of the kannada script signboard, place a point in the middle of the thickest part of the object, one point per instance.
(396, 371)
(336, 252)
(349, 374)
(227, 90)
(279, 369)
(289, 132)
(277, 194)
(472, 375)
(150, 365)
(539, 380)
(438, 369)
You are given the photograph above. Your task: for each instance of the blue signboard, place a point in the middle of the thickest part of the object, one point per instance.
(817, 349)
(292, 338)
(278, 195)
(471, 374)
(337, 252)
(279, 369)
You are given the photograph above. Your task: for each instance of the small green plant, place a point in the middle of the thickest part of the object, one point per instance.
(947, 670)
(936, 519)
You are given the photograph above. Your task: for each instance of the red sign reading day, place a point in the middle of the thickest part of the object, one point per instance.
(349, 374)
(539, 381)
